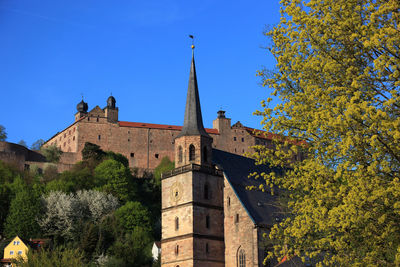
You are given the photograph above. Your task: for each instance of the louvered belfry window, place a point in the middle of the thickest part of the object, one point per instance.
(191, 153)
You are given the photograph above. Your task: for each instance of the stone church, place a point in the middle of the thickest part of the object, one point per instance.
(208, 216)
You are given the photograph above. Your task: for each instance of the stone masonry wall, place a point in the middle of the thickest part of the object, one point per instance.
(240, 231)
(144, 147)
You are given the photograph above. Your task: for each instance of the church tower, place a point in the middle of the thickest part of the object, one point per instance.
(192, 195)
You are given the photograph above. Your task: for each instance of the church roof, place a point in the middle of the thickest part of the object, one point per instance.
(193, 122)
(259, 205)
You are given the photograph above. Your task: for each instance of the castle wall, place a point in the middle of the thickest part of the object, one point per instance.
(240, 231)
(143, 145)
(65, 140)
(235, 140)
(19, 155)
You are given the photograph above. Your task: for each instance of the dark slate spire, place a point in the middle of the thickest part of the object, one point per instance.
(193, 123)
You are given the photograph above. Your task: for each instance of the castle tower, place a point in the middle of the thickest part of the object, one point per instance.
(192, 195)
(222, 123)
(82, 109)
(111, 111)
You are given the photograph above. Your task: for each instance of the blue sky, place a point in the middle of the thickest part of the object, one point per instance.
(51, 52)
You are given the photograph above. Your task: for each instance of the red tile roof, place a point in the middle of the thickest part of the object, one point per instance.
(158, 126)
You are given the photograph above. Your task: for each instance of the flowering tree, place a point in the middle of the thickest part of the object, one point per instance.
(337, 77)
(64, 213)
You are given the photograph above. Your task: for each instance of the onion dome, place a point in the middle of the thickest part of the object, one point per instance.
(111, 102)
(82, 106)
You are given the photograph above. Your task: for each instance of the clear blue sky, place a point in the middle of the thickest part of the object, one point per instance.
(51, 52)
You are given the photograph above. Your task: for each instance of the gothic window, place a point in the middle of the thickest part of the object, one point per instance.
(180, 154)
(234, 138)
(208, 221)
(97, 119)
(205, 154)
(176, 249)
(206, 192)
(191, 153)
(241, 258)
(176, 224)
(242, 139)
(99, 137)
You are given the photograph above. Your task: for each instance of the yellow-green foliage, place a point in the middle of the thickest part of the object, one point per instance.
(337, 77)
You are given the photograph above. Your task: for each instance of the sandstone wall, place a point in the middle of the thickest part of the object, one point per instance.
(240, 231)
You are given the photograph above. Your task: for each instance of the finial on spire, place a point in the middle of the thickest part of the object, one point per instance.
(193, 122)
(192, 37)
(82, 95)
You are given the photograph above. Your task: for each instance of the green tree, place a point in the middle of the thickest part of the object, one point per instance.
(118, 157)
(337, 77)
(134, 248)
(73, 180)
(5, 200)
(52, 153)
(165, 165)
(21, 219)
(3, 134)
(113, 177)
(37, 144)
(133, 214)
(92, 151)
(60, 256)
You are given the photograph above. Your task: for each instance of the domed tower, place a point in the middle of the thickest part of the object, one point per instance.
(192, 195)
(111, 102)
(82, 109)
(111, 111)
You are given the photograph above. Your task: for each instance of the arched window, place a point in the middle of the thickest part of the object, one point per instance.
(241, 258)
(176, 249)
(176, 224)
(208, 221)
(180, 154)
(206, 192)
(205, 154)
(191, 153)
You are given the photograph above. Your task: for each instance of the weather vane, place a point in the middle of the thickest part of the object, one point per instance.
(192, 37)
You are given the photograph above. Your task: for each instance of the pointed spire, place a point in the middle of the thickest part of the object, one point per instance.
(193, 123)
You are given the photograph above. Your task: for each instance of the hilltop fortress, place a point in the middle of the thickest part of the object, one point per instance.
(144, 144)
